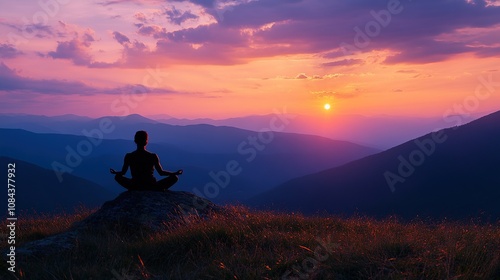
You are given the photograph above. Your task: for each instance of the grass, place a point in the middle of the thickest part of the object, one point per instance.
(243, 244)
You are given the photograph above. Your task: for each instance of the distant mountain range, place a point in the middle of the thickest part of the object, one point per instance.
(203, 151)
(452, 173)
(38, 190)
(382, 132)
(377, 131)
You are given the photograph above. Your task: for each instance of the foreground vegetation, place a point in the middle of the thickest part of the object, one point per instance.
(242, 244)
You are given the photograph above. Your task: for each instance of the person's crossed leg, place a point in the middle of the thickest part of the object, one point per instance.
(161, 185)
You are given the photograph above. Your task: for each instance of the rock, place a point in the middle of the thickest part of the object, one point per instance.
(148, 211)
(132, 213)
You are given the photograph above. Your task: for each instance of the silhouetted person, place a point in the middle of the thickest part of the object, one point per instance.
(142, 164)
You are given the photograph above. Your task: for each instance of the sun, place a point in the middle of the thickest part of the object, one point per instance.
(327, 106)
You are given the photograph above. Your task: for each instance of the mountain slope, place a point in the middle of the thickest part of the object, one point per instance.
(37, 189)
(452, 173)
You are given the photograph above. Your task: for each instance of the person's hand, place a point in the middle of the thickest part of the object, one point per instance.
(179, 172)
(112, 171)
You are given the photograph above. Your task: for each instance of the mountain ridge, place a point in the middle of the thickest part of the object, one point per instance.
(439, 185)
(380, 131)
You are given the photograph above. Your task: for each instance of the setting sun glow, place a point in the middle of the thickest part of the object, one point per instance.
(327, 106)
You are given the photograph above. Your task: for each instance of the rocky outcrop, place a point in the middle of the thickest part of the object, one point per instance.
(148, 211)
(134, 213)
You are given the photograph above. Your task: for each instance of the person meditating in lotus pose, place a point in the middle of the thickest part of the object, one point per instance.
(142, 164)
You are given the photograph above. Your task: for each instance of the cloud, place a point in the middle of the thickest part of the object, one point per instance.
(141, 17)
(488, 52)
(177, 17)
(120, 38)
(11, 81)
(151, 30)
(28, 31)
(304, 76)
(78, 50)
(208, 44)
(431, 51)
(280, 27)
(261, 29)
(180, 52)
(202, 3)
(9, 51)
(135, 54)
(301, 76)
(345, 62)
(207, 34)
(337, 95)
(138, 2)
(75, 50)
(65, 31)
(410, 71)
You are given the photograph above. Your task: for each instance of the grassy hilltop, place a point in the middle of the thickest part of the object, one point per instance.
(242, 244)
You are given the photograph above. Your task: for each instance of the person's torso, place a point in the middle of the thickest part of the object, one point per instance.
(142, 165)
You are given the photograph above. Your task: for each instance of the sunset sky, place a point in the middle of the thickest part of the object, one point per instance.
(218, 59)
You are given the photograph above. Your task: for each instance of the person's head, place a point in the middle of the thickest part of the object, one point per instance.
(141, 138)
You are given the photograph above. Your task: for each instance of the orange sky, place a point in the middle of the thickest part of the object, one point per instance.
(196, 60)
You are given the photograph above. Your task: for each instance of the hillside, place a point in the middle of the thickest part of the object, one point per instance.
(38, 190)
(452, 173)
(243, 244)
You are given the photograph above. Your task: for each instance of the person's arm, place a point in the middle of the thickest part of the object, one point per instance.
(124, 167)
(162, 172)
